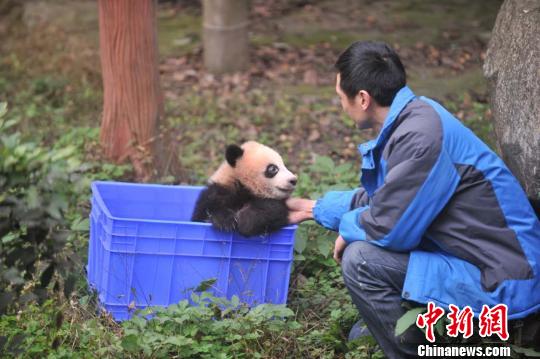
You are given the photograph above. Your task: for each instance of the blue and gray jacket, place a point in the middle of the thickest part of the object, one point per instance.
(432, 188)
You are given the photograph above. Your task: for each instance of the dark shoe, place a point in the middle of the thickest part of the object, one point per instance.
(359, 330)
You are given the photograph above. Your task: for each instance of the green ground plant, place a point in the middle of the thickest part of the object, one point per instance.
(210, 327)
(37, 189)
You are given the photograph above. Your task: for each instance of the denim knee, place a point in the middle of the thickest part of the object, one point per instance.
(369, 263)
(355, 256)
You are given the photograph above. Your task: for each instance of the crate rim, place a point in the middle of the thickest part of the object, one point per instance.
(99, 199)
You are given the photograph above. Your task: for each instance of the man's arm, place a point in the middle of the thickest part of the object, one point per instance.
(420, 180)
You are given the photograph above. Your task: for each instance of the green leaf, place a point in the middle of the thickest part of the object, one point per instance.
(440, 326)
(324, 163)
(408, 319)
(324, 245)
(139, 322)
(8, 124)
(299, 257)
(9, 237)
(300, 240)
(129, 343)
(329, 262)
(84, 300)
(32, 197)
(13, 276)
(179, 341)
(3, 109)
(81, 225)
(57, 205)
(63, 153)
(528, 352)
(206, 284)
(344, 168)
(336, 314)
(194, 297)
(235, 301)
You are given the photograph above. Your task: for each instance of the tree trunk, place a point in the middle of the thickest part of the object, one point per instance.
(132, 101)
(512, 68)
(225, 35)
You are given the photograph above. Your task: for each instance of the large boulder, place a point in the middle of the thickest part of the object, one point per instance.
(512, 68)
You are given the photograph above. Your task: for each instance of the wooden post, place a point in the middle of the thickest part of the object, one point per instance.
(132, 100)
(225, 35)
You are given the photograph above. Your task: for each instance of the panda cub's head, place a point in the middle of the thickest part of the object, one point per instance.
(258, 168)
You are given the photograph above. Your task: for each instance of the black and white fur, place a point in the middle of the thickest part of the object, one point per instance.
(248, 192)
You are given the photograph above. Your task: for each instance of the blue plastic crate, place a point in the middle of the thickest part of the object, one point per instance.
(144, 251)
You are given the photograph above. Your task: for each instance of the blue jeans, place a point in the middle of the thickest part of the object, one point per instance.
(375, 277)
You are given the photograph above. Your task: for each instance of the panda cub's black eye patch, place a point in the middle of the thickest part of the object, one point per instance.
(271, 171)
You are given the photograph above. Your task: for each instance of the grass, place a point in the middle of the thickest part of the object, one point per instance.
(178, 34)
(427, 81)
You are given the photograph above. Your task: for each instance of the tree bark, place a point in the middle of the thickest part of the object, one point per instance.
(512, 68)
(132, 100)
(225, 35)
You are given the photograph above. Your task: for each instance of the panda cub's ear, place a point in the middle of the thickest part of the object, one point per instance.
(232, 153)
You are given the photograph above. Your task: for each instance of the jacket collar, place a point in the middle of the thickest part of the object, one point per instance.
(402, 98)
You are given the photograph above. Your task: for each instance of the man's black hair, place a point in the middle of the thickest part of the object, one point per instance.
(373, 67)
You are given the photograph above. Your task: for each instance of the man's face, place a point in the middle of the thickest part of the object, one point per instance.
(356, 107)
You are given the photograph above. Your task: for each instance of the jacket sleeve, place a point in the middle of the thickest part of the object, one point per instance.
(420, 180)
(330, 208)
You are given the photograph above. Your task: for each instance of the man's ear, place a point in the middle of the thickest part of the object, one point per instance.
(233, 153)
(364, 99)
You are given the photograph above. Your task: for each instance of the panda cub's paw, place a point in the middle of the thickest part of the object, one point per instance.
(224, 221)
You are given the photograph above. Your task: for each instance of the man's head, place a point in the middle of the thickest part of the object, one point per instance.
(369, 76)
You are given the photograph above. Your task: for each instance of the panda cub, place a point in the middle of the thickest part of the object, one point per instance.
(248, 191)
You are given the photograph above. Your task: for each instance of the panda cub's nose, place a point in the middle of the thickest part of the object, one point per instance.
(293, 182)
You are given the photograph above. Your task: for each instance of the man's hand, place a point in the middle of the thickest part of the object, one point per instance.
(339, 248)
(300, 209)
